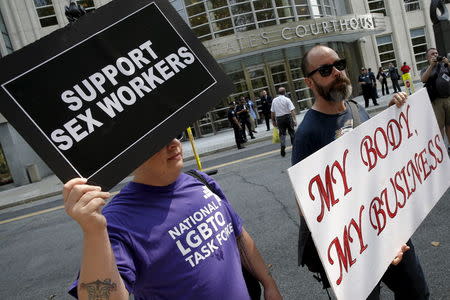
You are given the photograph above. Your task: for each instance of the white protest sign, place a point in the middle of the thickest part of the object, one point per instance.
(365, 194)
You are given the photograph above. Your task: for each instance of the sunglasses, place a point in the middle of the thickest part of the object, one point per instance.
(180, 136)
(326, 70)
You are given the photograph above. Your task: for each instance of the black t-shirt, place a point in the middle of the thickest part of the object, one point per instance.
(318, 130)
(433, 90)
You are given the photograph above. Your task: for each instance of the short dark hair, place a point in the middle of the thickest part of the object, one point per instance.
(429, 49)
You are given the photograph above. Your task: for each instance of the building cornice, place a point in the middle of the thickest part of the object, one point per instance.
(346, 28)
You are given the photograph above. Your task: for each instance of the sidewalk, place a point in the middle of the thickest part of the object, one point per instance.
(224, 140)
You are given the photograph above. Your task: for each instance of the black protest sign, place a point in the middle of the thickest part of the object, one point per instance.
(98, 97)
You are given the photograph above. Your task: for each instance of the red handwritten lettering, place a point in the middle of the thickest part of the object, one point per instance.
(377, 146)
(376, 207)
(405, 181)
(436, 140)
(393, 126)
(405, 118)
(344, 254)
(326, 191)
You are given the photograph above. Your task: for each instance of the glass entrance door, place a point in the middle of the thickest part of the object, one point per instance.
(279, 77)
(258, 79)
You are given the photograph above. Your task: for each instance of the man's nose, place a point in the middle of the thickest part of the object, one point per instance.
(173, 143)
(335, 72)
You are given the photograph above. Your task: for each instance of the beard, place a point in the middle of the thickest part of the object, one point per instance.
(339, 90)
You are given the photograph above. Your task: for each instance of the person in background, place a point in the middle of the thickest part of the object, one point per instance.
(374, 83)
(265, 105)
(283, 117)
(405, 68)
(382, 77)
(329, 118)
(253, 116)
(393, 74)
(166, 235)
(439, 93)
(244, 117)
(237, 128)
(365, 82)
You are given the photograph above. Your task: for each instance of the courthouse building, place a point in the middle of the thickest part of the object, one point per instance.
(258, 43)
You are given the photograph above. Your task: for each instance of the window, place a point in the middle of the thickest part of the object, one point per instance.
(215, 18)
(411, 5)
(88, 5)
(317, 8)
(302, 9)
(258, 79)
(302, 91)
(46, 12)
(5, 35)
(419, 42)
(386, 50)
(279, 77)
(377, 6)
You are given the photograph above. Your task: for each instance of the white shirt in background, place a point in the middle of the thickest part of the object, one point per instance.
(281, 106)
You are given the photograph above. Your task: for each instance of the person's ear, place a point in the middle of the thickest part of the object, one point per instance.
(308, 82)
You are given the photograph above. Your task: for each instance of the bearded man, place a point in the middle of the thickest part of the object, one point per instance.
(330, 117)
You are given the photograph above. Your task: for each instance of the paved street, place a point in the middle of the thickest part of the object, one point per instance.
(40, 254)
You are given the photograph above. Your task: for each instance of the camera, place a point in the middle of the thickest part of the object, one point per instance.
(439, 58)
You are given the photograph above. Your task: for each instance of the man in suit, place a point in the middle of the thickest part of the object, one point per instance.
(265, 104)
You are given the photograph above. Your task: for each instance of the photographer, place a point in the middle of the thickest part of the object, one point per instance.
(436, 78)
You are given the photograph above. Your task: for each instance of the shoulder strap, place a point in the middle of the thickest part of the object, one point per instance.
(200, 178)
(355, 112)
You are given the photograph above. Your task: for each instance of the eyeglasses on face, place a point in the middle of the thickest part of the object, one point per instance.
(326, 70)
(180, 136)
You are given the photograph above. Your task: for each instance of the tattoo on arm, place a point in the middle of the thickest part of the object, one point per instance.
(99, 290)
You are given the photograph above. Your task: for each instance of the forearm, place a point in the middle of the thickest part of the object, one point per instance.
(294, 117)
(253, 261)
(99, 270)
(426, 74)
(272, 116)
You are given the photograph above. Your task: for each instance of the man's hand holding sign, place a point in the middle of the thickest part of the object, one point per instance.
(364, 194)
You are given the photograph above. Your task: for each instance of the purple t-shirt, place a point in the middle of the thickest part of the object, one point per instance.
(176, 241)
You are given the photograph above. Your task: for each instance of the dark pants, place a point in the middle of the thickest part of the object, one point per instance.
(369, 94)
(374, 91)
(406, 279)
(383, 85)
(284, 124)
(267, 118)
(246, 123)
(238, 135)
(395, 85)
